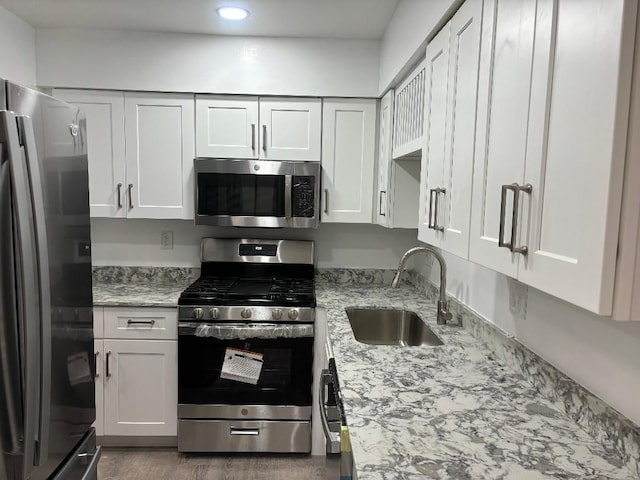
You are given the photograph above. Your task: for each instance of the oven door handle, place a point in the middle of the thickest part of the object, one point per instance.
(333, 438)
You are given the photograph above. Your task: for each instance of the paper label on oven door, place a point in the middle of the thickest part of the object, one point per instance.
(241, 366)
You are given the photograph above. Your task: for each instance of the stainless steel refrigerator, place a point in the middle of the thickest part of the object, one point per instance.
(47, 367)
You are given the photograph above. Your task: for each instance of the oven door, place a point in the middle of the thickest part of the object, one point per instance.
(283, 388)
(252, 193)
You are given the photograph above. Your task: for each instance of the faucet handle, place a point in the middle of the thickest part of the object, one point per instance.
(444, 315)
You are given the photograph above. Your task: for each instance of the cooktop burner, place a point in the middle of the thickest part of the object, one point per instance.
(240, 291)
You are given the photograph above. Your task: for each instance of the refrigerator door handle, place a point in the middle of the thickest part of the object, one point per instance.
(27, 288)
(10, 411)
(44, 285)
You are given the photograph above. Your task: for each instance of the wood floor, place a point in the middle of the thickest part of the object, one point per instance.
(168, 464)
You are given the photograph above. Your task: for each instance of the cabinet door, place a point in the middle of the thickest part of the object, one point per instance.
(160, 150)
(501, 131)
(98, 347)
(226, 127)
(348, 160)
(104, 112)
(576, 148)
(141, 388)
(381, 200)
(290, 129)
(435, 132)
(455, 202)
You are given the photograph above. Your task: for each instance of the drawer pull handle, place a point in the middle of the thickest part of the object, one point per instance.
(151, 323)
(95, 362)
(244, 431)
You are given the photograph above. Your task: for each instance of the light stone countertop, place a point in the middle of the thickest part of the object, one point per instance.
(138, 294)
(449, 412)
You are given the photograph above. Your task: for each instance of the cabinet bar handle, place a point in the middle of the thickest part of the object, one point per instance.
(326, 200)
(119, 195)
(95, 362)
(151, 323)
(516, 189)
(253, 137)
(106, 361)
(264, 138)
(430, 225)
(130, 195)
(435, 213)
(382, 214)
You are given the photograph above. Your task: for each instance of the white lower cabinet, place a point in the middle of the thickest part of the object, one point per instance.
(137, 372)
(140, 387)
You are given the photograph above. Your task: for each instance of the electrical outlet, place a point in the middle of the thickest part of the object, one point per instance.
(517, 298)
(166, 240)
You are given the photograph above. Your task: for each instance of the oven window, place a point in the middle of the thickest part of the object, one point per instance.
(285, 378)
(241, 195)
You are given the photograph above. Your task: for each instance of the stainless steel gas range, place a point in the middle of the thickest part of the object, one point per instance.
(245, 348)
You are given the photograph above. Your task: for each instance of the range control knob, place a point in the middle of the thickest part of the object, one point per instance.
(293, 314)
(276, 314)
(214, 313)
(197, 313)
(245, 313)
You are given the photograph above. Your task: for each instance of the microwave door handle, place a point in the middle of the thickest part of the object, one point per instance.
(44, 286)
(288, 195)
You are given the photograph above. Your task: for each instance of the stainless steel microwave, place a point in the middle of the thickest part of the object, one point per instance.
(256, 193)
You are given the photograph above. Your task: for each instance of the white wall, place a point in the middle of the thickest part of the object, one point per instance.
(600, 354)
(204, 63)
(137, 242)
(17, 49)
(413, 23)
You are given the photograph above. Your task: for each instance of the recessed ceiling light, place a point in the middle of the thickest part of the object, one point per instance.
(233, 13)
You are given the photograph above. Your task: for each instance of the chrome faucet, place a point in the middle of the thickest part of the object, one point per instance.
(444, 315)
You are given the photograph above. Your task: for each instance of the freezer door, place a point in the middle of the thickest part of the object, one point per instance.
(82, 464)
(54, 149)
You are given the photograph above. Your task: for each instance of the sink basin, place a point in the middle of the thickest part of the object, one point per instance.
(376, 326)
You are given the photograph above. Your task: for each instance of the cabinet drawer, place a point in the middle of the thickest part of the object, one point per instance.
(98, 322)
(141, 323)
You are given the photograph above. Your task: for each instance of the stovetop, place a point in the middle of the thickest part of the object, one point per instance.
(227, 291)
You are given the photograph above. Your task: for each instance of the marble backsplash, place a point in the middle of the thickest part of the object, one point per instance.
(617, 433)
(363, 276)
(126, 274)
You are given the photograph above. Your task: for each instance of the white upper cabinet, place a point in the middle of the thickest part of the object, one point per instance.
(385, 137)
(140, 152)
(264, 128)
(552, 121)
(433, 154)
(409, 114)
(447, 160)
(226, 127)
(160, 151)
(290, 128)
(398, 180)
(104, 112)
(348, 159)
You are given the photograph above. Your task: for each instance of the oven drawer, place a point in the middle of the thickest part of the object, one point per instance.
(142, 323)
(223, 436)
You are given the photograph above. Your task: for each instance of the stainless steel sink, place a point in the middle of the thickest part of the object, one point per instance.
(378, 326)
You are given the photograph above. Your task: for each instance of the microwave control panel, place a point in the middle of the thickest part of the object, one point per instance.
(303, 197)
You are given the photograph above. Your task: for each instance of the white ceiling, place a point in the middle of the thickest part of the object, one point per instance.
(356, 19)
